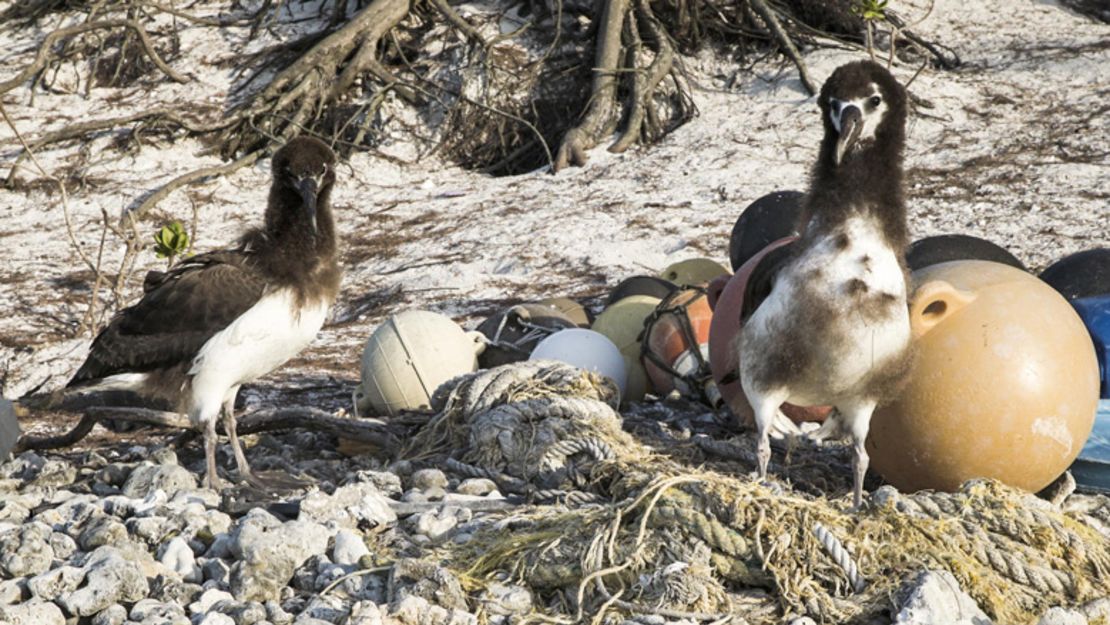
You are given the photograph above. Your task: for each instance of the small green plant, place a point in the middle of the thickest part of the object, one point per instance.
(170, 241)
(872, 11)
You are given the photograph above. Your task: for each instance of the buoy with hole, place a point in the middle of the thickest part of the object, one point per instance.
(1004, 383)
(587, 350)
(408, 357)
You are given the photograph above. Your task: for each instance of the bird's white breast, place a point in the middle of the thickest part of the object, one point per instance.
(263, 338)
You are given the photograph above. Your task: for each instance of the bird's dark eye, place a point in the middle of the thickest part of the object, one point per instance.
(835, 106)
(875, 101)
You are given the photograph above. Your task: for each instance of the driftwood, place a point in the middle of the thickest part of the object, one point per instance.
(266, 420)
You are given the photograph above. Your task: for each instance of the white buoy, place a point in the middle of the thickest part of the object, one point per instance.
(585, 349)
(408, 357)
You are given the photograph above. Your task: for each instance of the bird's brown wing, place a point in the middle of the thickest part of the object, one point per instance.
(179, 311)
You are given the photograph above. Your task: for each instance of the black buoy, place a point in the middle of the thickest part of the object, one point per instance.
(515, 331)
(947, 247)
(766, 220)
(1082, 274)
(641, 285)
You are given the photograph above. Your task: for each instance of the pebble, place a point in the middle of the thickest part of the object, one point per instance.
(1062, 616)
(935, 597)
(348, 548)
(109, 578)
(148, 477)
(178, 557)
(13, 590)
(478, 486)
(26, 551)
(352, 506)
(33, 613)
(268, 554)
(208, 599)
(105, 530)
(425, 479)
(215, 618)
(114, 614)
(64, 547)
(154, 610)
(52, 584)
(217, 570)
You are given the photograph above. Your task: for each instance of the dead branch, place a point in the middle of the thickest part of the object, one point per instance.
(599, 115)
(645, 86)
(458, 22)
(45, 51)
(266, 420)
(186, 179)
(785, 43)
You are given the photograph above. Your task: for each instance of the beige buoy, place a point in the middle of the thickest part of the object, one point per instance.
(1004, 385)
(572, 309)
(623, 323)
(408, 357)
(694, 271)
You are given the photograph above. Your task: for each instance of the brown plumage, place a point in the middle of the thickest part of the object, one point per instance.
(834, 329)
(221, 319)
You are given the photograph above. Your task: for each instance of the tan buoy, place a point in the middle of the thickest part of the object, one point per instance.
(694, 271)
(1004, 385)
(572, 309)
(623, 323)
(408, 357)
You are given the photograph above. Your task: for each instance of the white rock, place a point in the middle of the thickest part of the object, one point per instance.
(351, 506)
(32, 614)
(114, 614)
(208, 599)
(1062, 616)
(935, 598)
(215, 618)
(178, 557)
(52, 584)
(349, 548)
(478, 486)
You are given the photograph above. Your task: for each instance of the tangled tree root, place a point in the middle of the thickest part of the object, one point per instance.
(502, 99)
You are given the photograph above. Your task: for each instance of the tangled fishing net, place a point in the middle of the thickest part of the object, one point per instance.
(646, 524)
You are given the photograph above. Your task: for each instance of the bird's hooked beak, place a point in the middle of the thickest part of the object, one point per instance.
(851, 124)
(309, 187)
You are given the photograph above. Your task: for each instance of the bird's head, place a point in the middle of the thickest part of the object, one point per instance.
(305, 166)
(862, 105)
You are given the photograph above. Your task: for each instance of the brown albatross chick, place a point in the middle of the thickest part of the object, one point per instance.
(225, 318)
(835, 329)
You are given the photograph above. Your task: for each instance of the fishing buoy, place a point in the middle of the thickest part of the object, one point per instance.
(587, 350)
(675, 350)
(770, 218)
(948, 247)
(1082, 274)
(1004, 384)
(693, 272)
(732, 299)
(514, 332)
(623, 324)
(641, 285)
(573, 310)
(408, 357)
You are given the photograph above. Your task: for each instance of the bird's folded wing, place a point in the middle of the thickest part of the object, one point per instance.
(180, 310)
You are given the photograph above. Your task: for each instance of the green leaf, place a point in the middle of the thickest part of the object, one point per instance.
(170, 240)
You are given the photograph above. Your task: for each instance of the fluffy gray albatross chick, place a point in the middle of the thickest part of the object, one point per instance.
(835, 329)
(225, 318)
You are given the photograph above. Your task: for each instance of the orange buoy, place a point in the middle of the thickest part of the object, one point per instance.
(675, 349)
(1005, 383)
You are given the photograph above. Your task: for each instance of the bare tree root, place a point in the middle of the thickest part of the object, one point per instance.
(266, 420)
(785, 43)
(598, 119)
(640, 126)
(318, 78)
(45, 52)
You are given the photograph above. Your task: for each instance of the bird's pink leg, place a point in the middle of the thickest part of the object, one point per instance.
(211, 476)
(766, 407)
(857, 420)
(228, 412)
